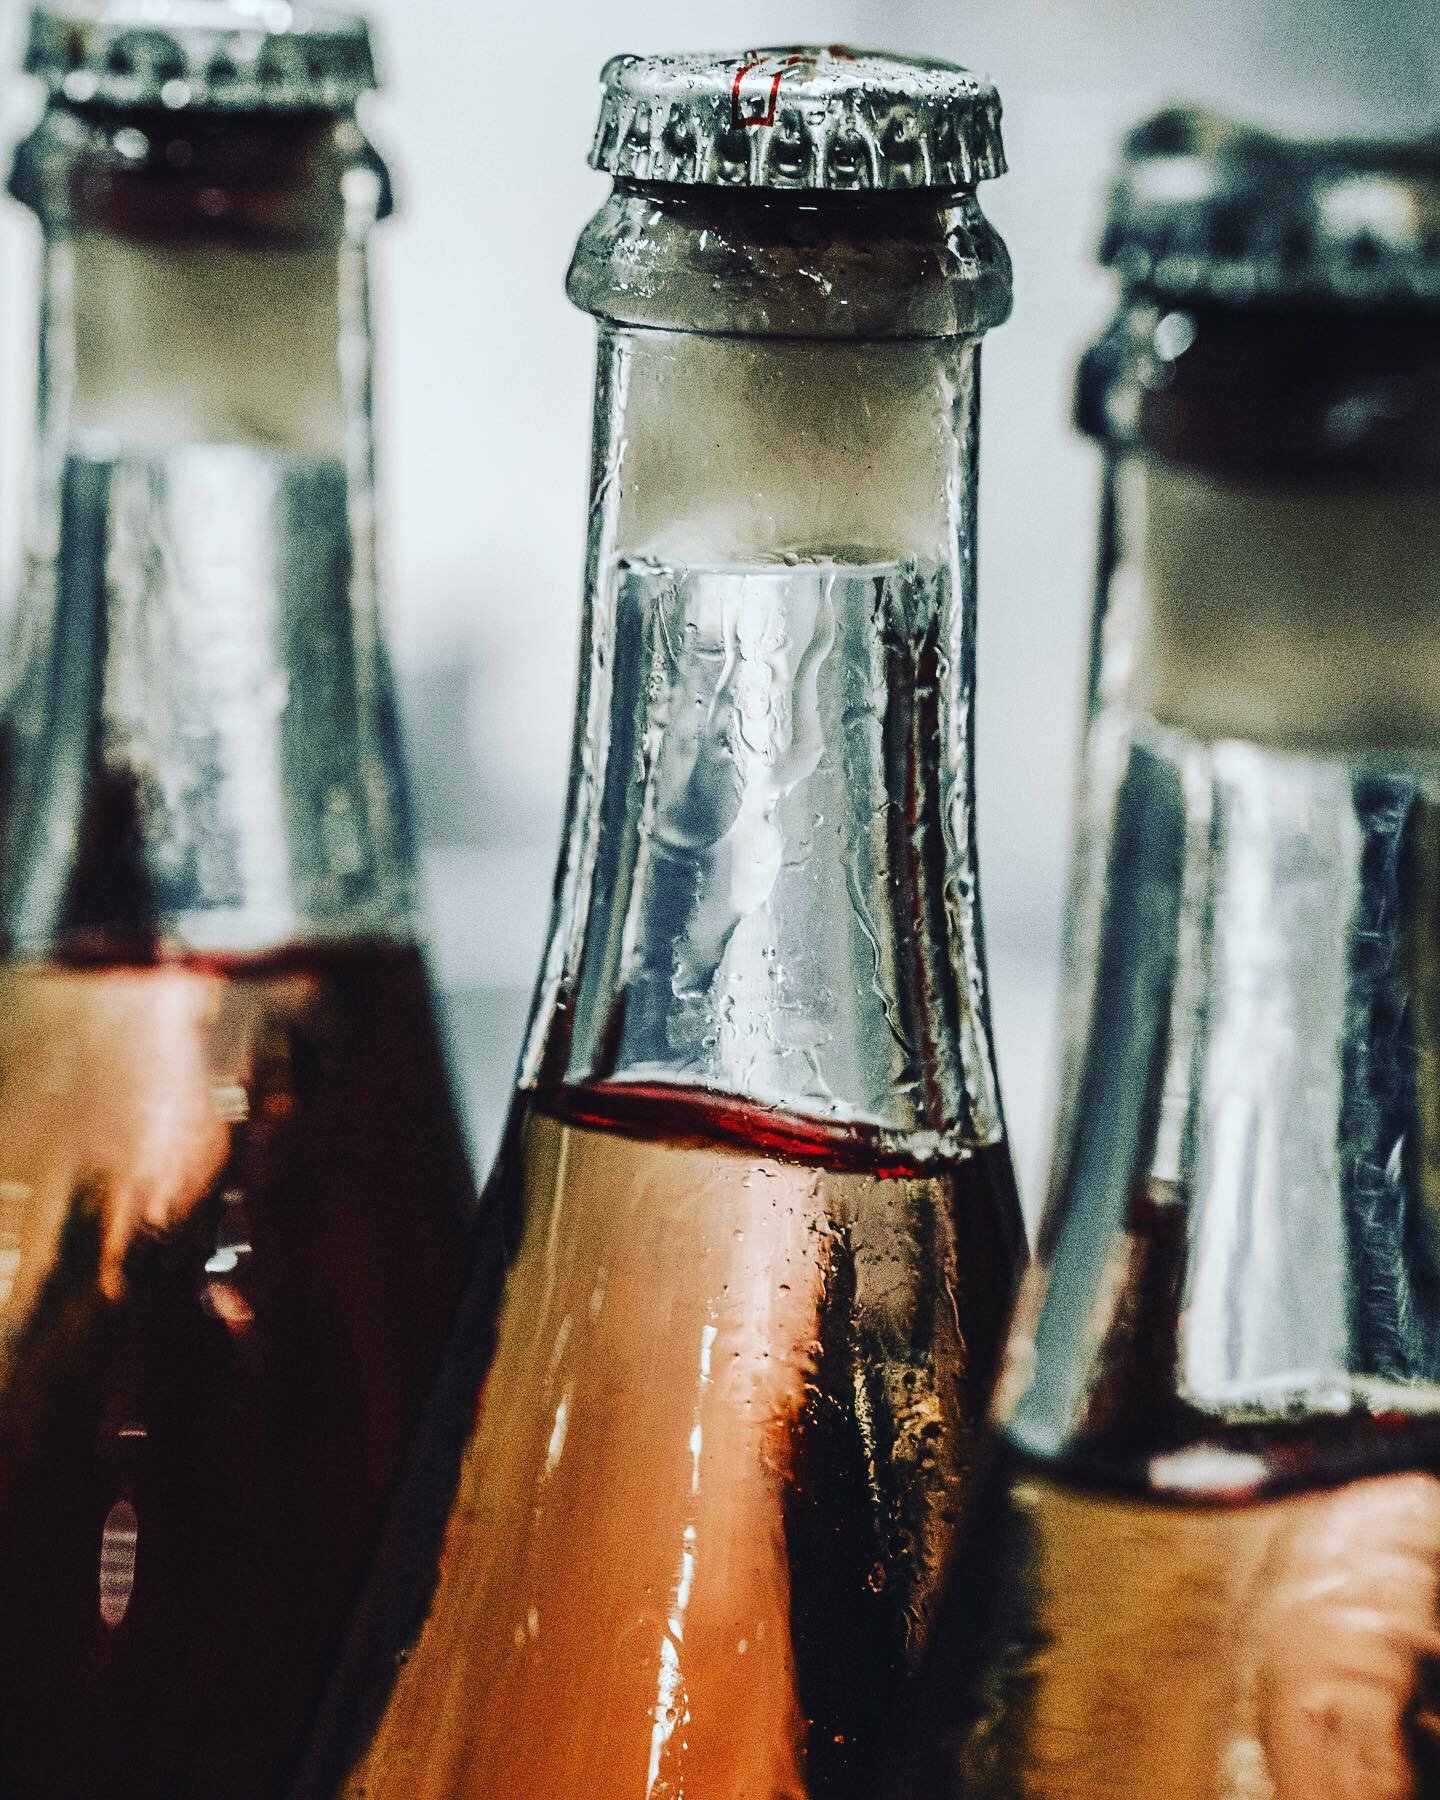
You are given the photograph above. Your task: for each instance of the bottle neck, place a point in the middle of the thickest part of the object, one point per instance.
(768, 885)
(1273, 577)
(1238, 1271)
(200, 747)
(1242, 1238)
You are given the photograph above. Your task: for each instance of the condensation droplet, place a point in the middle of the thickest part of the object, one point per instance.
(118, 1543)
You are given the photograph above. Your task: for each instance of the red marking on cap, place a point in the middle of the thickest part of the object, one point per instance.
(764, 109)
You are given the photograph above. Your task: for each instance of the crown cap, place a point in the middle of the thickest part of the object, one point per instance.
(215, 55)
(1205, 208)
(798, 117)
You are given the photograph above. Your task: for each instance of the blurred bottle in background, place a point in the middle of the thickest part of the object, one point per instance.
(1207, 1561)
(756, 1196)
(233, 1193)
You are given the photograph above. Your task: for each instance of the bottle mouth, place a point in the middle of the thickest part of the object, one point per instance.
(273, 182)
(793, 265)
(1324, 394)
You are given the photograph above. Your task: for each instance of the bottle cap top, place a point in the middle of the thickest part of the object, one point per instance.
(807, 118)
(217, 55)
(1208, 209)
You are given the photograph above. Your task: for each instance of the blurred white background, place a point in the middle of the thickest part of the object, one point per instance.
(485, 409)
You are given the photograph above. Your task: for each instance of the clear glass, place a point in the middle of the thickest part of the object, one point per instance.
(757, 1207)
(234, 1200)
(1207, 1558)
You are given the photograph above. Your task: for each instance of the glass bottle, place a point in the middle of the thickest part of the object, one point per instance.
(756, 1201)
(234, 1200)
(1207, 1559)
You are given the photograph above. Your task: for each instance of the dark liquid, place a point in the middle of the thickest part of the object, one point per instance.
(234, 1206)
(721, 1445)
(1105, 1645)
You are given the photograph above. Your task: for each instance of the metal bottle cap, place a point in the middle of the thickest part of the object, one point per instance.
(218, 55)
(798, 117)
(1208, 209)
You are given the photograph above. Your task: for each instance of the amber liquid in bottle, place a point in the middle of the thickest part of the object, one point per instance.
(1280, 1645)
(233, 1208)
(723, 1435)
(1190, 1605)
